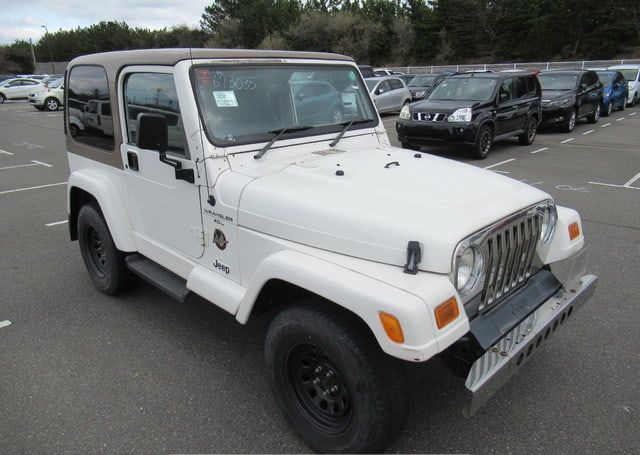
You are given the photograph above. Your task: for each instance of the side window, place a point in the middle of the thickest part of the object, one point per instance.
(593, 78)
(384, 87)
(15, 83)
(396, 84)
(507, 90)
(154, 93)
(584, 80)
(29, 83)
(87, 88)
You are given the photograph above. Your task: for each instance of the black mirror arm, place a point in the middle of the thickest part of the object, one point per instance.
(173, 163)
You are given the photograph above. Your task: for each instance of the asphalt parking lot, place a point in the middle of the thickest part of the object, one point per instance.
(81, 372)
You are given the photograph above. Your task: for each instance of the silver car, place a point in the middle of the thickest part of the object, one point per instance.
(389, 93)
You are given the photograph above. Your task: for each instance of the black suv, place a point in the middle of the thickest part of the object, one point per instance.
(569, 95)
(474, 109)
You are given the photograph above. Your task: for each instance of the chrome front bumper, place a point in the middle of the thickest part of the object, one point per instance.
(504, 358)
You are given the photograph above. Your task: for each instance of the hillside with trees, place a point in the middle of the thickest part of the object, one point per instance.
(391, 32)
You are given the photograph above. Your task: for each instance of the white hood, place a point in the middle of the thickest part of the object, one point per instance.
(373, 211)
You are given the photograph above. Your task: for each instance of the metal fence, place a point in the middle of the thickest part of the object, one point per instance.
(513, 66)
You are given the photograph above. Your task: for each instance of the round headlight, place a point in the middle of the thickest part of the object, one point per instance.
(547, 223)
(470, 265)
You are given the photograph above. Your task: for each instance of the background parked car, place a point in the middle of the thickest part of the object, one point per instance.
(406, 78)
(632, 74)
(49, 79)
(474, 110)
(317, 102)
(18, 88)
(615, 91)
(380, 72)
(389, 93)
(422, 84)
(569, 95)
(50, 98)
(366, 71)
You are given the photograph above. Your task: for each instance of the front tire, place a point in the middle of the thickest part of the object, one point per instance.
(530, 132)
(52, 104)
(105, 264)
(609, 110)
(570, 124)
(333, 384)
(480, 150)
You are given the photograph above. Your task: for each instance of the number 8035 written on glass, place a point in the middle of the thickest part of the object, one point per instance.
(230, 82)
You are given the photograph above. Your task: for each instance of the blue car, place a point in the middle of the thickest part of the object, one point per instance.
(615, 91)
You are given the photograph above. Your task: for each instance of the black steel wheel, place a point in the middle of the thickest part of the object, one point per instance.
(318, 387)
(105, 264)
(336, 388)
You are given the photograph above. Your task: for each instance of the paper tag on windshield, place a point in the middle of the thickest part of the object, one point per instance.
(225, 99)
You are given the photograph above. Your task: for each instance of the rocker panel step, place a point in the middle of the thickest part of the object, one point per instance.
(165, 280)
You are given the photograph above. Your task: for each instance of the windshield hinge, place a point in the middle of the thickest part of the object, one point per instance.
(414, 255)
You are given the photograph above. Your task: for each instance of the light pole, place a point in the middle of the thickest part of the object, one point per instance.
(46, 32)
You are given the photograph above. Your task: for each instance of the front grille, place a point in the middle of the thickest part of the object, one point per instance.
(509, 254)
(429, 116)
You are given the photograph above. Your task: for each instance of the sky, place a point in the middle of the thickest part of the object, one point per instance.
(23, 19)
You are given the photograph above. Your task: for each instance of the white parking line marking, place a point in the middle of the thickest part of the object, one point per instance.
(588, 132)
(633, 113)
(605, 125)
(17, 190)
(567, 140)
(4, 152)
(41, 163)
(540, 150)
(633, 179)
(614, 185)
(56, 223)
(5, 323)
(619, 119)
(33, 163)
(500, 163)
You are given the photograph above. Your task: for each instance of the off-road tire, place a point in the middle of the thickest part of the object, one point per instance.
(570, 123)
(51, 104)
(593, 118)
(105, 264)
(484, 140)
(309, 341)
(530, 131)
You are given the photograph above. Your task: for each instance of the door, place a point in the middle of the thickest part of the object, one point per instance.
(13, 89)
(105, 120)
(397, 89)
(383, 96)
(164, 209)
(507, 111)
(26, 87)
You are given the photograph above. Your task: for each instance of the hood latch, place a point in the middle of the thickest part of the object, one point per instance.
(414, 255)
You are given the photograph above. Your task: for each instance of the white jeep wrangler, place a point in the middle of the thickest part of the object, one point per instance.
(265, 180)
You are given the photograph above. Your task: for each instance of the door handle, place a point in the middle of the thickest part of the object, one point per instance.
(132, 161)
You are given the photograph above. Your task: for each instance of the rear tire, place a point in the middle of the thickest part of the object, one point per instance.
(530, 132)
(336, 388)
(480, 150)
(593, 118)
(105, 264)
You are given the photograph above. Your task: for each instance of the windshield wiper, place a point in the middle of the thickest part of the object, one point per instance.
(278, 133)
(346, 126)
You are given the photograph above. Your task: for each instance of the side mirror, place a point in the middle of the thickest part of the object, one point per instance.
(153, 133)
(379, 91)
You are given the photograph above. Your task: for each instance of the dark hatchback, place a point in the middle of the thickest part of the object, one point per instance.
(474, 110)
(570, 95)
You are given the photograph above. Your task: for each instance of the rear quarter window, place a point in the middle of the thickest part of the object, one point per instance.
(88, 89)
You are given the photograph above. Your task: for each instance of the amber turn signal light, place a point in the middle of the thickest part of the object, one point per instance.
(574, 231)
(446, 312)
(392, 327)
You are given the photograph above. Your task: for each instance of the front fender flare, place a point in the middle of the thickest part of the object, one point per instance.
(102, 188)
(362, 295)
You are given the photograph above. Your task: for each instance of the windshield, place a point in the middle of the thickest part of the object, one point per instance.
(422, 81)
(464, 89)
(56, 83)
(371, 84)
(244, 104)
(605, 78)
(629, 73)
(558, 81)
